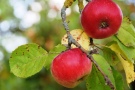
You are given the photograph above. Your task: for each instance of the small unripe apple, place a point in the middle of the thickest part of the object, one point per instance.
(101, 18)
(70, 67)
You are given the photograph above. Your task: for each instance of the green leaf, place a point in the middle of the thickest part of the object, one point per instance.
(118, 80)
(126, 34)
(128, 26)
(53, 53)
(110, 56)
(95, 80)
(125, 62)
(126, 38)
(128, 51)
(27, 60)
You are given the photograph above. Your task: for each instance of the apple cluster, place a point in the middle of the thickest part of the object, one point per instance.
(100, 19)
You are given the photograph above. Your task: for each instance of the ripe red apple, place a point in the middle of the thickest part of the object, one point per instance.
(70, 67)
(101, 18)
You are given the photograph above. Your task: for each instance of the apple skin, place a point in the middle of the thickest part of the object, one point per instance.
(70, 67)
(101, 18)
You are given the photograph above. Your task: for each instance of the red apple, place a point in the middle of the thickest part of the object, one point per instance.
(70, 67)
(101, 18)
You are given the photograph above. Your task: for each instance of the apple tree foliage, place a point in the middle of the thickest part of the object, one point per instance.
(115, 54)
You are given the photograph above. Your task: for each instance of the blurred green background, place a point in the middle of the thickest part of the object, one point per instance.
(38, 21)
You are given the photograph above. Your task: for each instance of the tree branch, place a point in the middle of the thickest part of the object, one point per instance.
(71, 40)
(107, 80)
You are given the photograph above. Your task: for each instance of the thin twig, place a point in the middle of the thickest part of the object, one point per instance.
(71, 40)
(91, 41)
(80, 5)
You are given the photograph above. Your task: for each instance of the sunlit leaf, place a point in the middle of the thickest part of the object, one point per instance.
(95, 80)
(128, 26)
(119, 66)
(27, 60)
(126, 38)
(128, 51)
(126, 34)
(126, 63)
(53, 53)
(80, 36)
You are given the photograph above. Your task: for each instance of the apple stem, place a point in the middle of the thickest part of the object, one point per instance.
(104, 25)
(71, 41)
(91, 41)
(88, 0)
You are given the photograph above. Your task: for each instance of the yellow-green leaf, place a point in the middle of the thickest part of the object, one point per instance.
(27, 60)
(96, 78)
(128, 51)
(126, 33)
(52, 54)
(126, 63)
